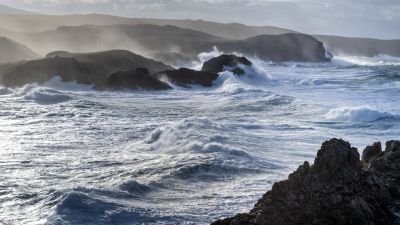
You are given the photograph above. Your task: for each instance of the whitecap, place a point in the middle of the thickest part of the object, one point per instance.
(358, 114)
(46, 96)
(58, 84)
(193, 134)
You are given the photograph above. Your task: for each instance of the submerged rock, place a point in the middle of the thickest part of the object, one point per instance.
(226, 62)
(337, 189)
(135, 79)
(185, 77)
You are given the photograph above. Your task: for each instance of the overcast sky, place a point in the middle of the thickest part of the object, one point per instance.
(366, 18)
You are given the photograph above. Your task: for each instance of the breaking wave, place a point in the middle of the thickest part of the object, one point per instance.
(46, 96)
(358, 114)
(190, 135)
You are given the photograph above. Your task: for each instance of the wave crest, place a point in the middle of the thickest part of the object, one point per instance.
(190, 135)
(46, 96)
(358, 114)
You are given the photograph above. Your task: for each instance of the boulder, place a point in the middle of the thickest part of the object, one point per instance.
(226, 62)
(336, 190)
(185, 77)
(135, 79)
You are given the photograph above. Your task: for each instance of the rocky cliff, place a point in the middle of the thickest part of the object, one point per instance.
(338, 188)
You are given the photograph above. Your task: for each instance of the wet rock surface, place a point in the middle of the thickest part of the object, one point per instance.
(338, 189)
(185, 77)
(226, 62)
(135, 79)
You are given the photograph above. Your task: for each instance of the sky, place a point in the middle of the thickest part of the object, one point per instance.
(355, 18)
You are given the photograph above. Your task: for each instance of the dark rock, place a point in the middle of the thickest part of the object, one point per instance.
(185, 77)
(224, 62)
(43, 70)
(135, 79)
(83, 68)
(392, 146)
(335, 190)
(371, 151)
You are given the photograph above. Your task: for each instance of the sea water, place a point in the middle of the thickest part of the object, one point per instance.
(71, 155)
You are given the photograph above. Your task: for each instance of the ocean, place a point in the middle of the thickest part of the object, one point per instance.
(72, 155)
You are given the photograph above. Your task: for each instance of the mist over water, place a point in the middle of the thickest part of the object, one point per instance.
(71, 155)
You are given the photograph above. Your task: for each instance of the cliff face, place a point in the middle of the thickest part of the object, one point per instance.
(360, 46)
(337, 189)
(279, 48)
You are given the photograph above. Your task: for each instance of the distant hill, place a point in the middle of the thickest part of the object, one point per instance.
(360, 46)
(151, 40)
(38, 23)
(11, 51)
(9, 10)
(35, 25)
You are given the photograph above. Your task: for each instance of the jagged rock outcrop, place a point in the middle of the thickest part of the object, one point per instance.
(230, 62)
(185, 77)
(135, 79)
(339, 189)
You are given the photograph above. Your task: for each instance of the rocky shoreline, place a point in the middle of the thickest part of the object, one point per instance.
(338, 189)
(117, 70)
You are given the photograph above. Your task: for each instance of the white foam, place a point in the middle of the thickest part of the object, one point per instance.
(193, 134)
(359, 114)
(204, 57)
(311, 82)
(58, 84)
(46, 96)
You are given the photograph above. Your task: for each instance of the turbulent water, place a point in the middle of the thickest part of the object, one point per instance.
(70, 155)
